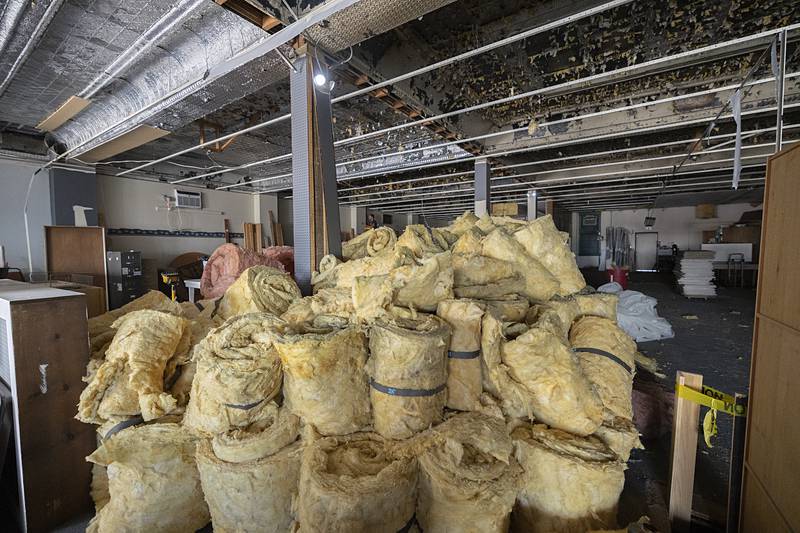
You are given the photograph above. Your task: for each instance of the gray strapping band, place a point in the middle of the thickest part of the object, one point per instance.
(122, 425)
(609, 355)
(463, 355)
(392, 391)
(243, 407)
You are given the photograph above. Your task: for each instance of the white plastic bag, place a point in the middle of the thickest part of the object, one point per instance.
(637, 316)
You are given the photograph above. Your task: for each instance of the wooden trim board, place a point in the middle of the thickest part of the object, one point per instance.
(67, 110)
(141, 134)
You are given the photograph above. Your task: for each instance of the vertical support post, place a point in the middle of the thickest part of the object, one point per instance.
(779, 84)
(550, 207)
(483, 186)
(533, 200)
(737, 465)
(315, 206)
(684, 453)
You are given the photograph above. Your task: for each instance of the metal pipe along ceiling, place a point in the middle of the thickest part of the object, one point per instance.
(9, 20)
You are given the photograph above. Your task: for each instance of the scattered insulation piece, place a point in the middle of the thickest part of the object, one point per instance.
(371, 242)
(468, 478)
(570, 484)
(238, 373)
(620, 435)
(464, 382)
(607, 357)
(250, 476)
(259, 289)
(325, 383)
(153, 481)
(408, 371)
(355, 484)
(537, 375)
(130, 381)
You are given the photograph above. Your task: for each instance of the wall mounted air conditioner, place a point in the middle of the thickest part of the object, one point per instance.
(187, 199)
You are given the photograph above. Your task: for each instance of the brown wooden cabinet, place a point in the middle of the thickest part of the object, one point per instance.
(771, 484)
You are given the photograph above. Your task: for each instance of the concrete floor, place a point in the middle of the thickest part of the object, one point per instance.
(716, 344)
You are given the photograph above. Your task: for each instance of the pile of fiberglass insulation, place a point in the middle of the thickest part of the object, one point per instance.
(456, 379)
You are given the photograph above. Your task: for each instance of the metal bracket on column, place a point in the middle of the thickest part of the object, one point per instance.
(483, 186)
(533, 198)
(315, 204)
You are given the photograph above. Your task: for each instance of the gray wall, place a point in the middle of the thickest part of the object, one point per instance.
(14, 178)
(68, 188)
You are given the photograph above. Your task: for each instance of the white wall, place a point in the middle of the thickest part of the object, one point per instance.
(129, 203)
(14, 179)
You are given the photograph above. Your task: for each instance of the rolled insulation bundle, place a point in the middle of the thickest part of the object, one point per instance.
(371, 242)
(130, 380)
(443, 238)
(598, 304)
(151, 300)
(620, 435)
(537, 375)
(408, 374)
(250, 476)
(468, 478)
(606, 354)
(356, 484)
(153, 481)
(372, 296)
(343, 275)
(238, 373)
(464, 382)
(478, 276)
(571, 308)
(511, 308)
(570, 484)
(424, 285)
(418, 239)
(538, 283)
(332, 302)
(543, 241)
(463, 223)
(325, 383)
(260, 289)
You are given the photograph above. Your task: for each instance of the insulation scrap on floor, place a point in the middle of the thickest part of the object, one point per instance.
(371, 242)
(238, 373)
(259, 289)
(468, 476)
(355, 484)
(153, 481)
(408, 374)
(325, 383)
(130, 381)
(607, 358)
(464, 380)
(250, 475)
(570, 484)
(537, 375)
(227, 263)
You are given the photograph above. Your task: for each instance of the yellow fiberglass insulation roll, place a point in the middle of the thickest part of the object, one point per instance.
(537, 375)
(419, 240)
(355, 484)
(238, 373)
(597, 304)
(330, 302)
(153, 481)
(542, 240)
(537, 283)
(151, 300)
(443, 238)
(325, 383)
(343, 275)
(570, 484)
(464, 382)
(259, 289)
(130, 380)
(371, 242)
(510, 308)
(620, 435)
(408, 374)
(463, 223)
(606, 355)
(250, 476)
(422, 286)
(468, 477)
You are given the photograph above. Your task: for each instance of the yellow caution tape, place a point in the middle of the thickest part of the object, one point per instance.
(712, 398)
(710, 426)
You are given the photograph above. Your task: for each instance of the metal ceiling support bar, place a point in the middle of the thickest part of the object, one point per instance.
(483, 185)
(781, 87)
(315, 206)
(533, 200)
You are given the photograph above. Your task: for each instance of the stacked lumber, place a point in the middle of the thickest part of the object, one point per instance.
(461, 378)
(695, 274)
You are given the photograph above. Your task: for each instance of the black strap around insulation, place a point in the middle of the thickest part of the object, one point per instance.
(609, 355)
(452, 354)
(244, 407)
(392, 391)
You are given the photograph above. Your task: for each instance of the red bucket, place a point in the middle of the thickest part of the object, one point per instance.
(620, 275)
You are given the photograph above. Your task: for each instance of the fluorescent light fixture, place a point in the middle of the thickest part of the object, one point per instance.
(320, 79)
